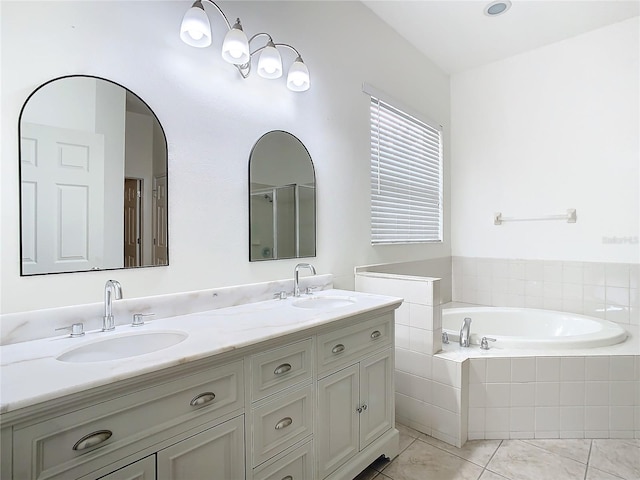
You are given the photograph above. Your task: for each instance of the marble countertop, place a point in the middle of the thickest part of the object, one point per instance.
(30, 372)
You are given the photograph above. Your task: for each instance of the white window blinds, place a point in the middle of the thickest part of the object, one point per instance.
(406, 177)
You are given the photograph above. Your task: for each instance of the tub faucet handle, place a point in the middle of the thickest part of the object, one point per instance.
(484, 343)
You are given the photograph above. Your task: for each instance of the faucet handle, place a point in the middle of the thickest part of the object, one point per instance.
(484, 343)
(77, 329)
(312, 288)
(281, 295)
(138, 319)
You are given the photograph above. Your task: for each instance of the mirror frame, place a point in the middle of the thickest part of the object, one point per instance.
(166, 146)
(315, 198)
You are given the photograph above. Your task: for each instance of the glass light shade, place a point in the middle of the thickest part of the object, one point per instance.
(298, 78)
(270, 62)
(195, 29)
(235, 48)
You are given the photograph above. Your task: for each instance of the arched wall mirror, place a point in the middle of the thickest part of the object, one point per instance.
(282, 199)
(93, 179)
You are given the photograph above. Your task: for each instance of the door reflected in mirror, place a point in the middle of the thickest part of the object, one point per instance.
(93, 179)
(282, 199)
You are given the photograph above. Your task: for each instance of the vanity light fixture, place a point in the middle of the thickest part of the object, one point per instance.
(196, 31)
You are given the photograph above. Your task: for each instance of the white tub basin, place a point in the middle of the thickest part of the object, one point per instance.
(324, 303)
(122, 346)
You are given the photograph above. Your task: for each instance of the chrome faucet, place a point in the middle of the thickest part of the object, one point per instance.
(296, 274)
(111, 288)
(464, 332)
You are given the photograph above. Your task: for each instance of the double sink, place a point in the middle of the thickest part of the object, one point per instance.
(131, 344)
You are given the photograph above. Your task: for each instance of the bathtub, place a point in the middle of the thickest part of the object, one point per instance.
(531, 328)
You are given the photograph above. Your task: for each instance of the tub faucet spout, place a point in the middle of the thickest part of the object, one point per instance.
(112, 290)
(464, 332)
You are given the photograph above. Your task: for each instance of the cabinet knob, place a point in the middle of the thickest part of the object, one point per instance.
(359, 409)
(93, 439)
(281, 369)
(202, 399)
(375, 334)
(284, 423)
(338, 348)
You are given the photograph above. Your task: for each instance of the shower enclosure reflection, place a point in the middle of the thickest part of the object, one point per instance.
(282, 199)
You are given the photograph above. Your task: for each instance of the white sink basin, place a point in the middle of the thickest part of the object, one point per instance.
(324, 303)
(123, 346)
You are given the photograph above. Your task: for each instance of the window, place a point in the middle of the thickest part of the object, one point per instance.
(406, 176)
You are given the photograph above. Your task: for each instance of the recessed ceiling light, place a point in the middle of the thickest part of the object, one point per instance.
(497, 8)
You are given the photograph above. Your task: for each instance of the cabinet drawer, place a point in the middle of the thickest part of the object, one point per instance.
(341, 347)
(279, 424)
(91, 438)
(295, 465)
(280, 368)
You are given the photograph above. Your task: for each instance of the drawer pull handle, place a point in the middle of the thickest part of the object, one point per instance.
(93, 439)
(284, 368)
(375, 334)
(201, 399)
(338, 348)
(284, 423)
(288, 477)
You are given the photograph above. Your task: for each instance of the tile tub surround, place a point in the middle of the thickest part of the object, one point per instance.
(26, 326)
(429, 389)
(210, 333)
(604, 290)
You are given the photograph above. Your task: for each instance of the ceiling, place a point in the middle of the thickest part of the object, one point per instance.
(456, 34)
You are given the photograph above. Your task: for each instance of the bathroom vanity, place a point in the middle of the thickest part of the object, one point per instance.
(282, 389)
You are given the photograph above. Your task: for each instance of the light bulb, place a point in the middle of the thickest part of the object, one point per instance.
(195, 29)
(196, 34)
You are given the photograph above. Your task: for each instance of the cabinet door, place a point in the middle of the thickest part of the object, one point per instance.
(215, 454)
(144, 469)
(376, 396)
(338, 401)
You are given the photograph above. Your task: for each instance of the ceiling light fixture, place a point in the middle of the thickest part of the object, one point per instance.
(195, 30)
(497, 8)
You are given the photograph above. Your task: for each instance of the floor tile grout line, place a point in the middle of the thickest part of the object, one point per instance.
(528, 442)
(553, 453)
(586, 472)
(459, 456)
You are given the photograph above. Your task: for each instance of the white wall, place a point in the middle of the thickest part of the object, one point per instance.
(212, 118)
(544, 131)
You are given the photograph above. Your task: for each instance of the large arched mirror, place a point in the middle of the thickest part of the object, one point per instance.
(93, 179)
(282, 199)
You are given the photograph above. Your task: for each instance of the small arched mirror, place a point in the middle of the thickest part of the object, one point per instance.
(93, 179)
(282, 199)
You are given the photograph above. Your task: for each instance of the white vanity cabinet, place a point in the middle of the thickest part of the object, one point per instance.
(313, 404)
(356, 402)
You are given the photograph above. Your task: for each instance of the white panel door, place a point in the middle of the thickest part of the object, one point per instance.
(215, 454)
(376, 393)
(62, 175)
(160, 228)
(338, 420)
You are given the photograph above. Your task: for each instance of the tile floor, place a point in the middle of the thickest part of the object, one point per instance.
(426, 458)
